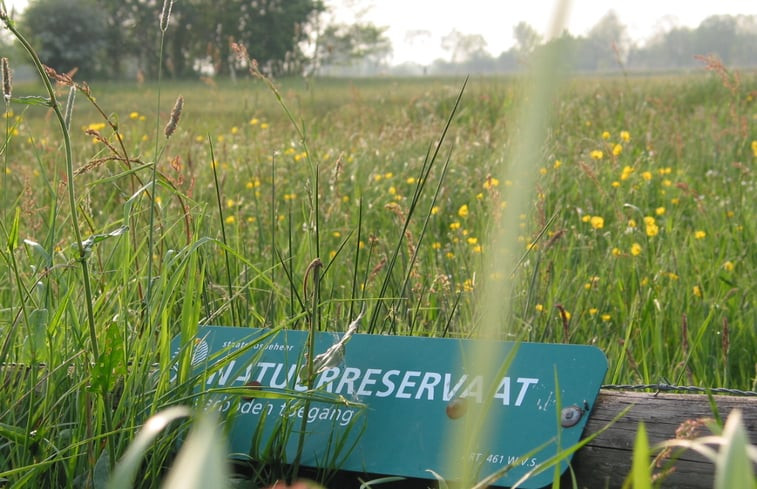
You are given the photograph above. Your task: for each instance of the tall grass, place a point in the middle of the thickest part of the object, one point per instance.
(637, 238)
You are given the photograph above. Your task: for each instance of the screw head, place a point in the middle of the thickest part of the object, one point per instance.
(457, 408)
(570, 416)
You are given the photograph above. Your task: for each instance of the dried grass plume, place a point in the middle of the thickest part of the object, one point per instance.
(173, 120)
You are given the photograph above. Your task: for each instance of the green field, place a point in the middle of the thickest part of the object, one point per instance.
(638, 236)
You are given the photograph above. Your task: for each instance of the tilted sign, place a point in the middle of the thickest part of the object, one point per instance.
(396, 405)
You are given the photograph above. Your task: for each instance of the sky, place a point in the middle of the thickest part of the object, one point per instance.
(416, 27)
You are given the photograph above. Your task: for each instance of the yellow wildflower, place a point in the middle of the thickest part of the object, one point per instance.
(617, 149)
(606, 135)
(699, 234)
(596, 154)
(490, 183)
(636, 249)
(597, 222)
(463, 211)
(728, 266)
(95, 126)
(625, 136)
(659, 211)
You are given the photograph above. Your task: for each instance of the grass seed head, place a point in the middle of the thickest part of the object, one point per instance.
(7, 80)
(165, 14)
(173, 120)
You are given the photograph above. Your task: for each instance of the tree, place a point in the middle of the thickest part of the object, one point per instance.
(272, 30)
(67, 34)
(200, 33)
(464, 46)
(526, 38)
(609, 41)
(345, 45)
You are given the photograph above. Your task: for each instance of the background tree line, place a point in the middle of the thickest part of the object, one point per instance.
(119, 38)
(608, 47)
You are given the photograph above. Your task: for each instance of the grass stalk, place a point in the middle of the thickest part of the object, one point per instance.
(315, 313)
(217, 186)
(428, 165)
(164, 18)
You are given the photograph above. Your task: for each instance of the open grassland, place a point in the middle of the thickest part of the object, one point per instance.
(640, 238)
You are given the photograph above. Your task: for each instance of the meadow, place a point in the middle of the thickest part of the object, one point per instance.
(639, 237)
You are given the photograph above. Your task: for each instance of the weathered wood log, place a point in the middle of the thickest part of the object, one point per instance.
(606, 460)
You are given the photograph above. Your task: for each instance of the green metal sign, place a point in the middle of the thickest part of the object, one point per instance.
(397, 405)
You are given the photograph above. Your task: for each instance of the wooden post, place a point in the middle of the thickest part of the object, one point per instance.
(606, 460)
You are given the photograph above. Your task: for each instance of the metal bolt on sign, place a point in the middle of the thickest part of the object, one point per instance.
(570, 416)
